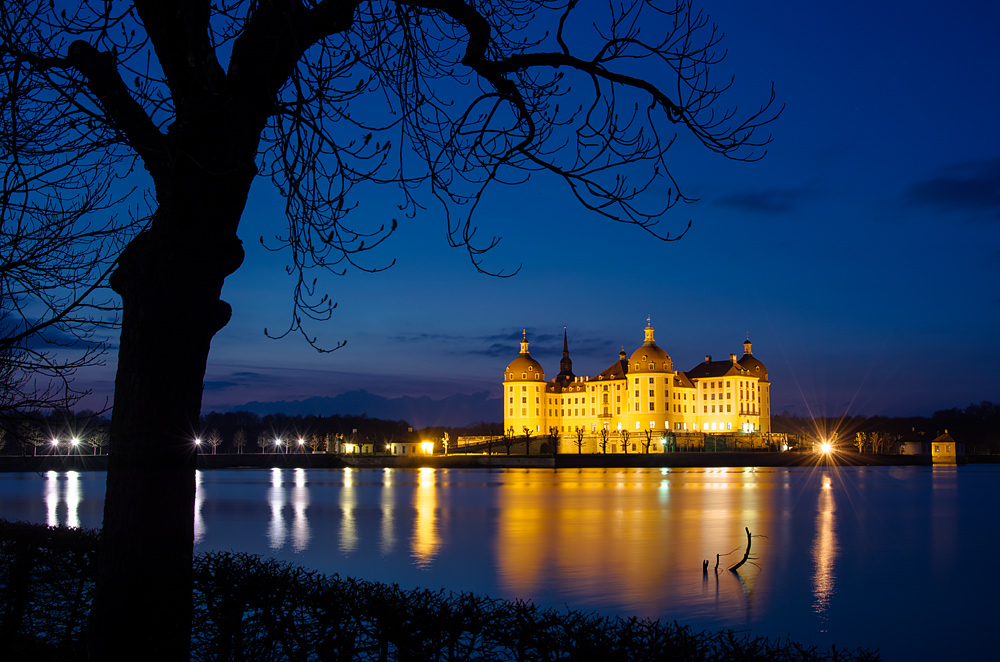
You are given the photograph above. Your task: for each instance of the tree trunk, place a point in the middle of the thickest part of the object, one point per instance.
(170, 279)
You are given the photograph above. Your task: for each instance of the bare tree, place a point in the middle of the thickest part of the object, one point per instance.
(213, 439)
(527, 439)
(29, 433)
(605, 434)
(263, 440)
(648, 440)
(508, 439)
(625, 437)
(554, 440)
(579, 440)
(190, 102)
(98, 439)
(239, 439)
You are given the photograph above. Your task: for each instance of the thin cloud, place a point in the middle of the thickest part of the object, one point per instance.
(970, 186)
(770, 201)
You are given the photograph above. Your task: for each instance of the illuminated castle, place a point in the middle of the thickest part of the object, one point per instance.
(638, 393)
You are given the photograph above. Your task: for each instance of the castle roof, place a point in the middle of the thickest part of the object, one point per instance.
(650, 357)
(524, 367)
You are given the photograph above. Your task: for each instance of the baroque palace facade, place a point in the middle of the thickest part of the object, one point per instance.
(638, 393)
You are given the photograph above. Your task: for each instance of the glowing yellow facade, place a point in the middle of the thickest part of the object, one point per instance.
(638, 393)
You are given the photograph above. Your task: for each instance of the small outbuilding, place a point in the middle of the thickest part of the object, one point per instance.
(945, 450)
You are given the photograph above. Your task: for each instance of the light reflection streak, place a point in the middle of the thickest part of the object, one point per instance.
(300, 504)
(348, 504)
(388, 540)
(52, 497)
(276, 499)
(426, 537)
(71, 496)
(824, 551)
(199, 500)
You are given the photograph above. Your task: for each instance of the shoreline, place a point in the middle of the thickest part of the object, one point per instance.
(41, 463)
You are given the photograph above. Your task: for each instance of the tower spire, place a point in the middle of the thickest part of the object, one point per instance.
(565, 363)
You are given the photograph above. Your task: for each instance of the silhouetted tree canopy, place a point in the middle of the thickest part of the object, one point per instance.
(149, 121)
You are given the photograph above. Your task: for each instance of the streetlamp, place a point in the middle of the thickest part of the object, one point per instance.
(55, 445)
(197, 445)
(302, 444)
(277, 445)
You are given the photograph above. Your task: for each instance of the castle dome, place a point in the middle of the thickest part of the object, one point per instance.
(650, 357)
(752, 364)
(524, 368)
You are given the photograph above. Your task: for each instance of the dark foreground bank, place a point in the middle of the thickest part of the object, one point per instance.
(248, 608)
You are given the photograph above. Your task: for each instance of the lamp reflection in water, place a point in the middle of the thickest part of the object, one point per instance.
(71, 496)
(426, 537)
(199, 500)
(348, 504)
(278, 497)
(388, 539)
(300, 503)
(824, 551)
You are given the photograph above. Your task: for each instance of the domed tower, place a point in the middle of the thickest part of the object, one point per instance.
(761, 397)
(650, 376)
(523, 388)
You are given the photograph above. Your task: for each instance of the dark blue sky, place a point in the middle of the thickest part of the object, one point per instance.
(861, 255)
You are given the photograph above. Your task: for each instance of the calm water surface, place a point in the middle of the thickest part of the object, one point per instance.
(899, 559)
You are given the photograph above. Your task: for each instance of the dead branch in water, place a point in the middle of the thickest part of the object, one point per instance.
(746, 554)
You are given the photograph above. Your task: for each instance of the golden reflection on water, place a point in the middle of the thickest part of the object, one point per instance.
(426, 538)
(824, 550)
(387, 541)
(348, 504)
(629, 534)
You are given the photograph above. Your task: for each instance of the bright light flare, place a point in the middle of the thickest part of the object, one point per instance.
(826, 447)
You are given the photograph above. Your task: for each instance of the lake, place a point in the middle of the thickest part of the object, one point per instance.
(898, 559)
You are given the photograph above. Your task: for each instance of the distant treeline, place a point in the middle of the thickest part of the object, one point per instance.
(85, 432)
(978, 426)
